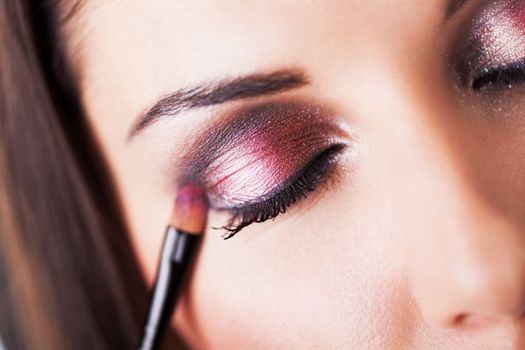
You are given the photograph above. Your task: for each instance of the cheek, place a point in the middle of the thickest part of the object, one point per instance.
(310, 284)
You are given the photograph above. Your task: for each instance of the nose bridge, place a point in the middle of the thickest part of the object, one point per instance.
(467, 257)
(465, 252)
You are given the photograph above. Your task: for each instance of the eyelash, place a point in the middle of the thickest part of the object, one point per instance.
(304, 183)
(499, 76)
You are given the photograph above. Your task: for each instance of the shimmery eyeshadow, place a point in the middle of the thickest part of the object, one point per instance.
(501, 29)
(496, 37)
(257, 150)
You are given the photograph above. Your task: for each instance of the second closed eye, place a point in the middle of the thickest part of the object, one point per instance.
(491, 52)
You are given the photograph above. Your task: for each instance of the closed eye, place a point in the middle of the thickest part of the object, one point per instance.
(296, 189)
(499, 76)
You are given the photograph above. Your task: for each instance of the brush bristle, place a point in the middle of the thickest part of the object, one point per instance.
(191, 209)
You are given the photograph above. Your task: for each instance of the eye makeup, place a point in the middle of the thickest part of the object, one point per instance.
(492, 51)
(264, 157)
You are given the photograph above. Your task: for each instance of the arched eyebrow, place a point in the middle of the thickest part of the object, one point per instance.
(218, 92)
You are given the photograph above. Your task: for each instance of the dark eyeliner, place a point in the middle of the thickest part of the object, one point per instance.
(499, 76)
(297, 188)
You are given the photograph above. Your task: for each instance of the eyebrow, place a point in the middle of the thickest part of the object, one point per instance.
(453, 6)
(218, 92)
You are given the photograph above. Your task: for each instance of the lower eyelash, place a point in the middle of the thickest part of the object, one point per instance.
(305, 183)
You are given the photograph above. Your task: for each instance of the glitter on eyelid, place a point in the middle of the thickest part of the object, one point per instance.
(253, 153)
(501, 31)
(245, 174)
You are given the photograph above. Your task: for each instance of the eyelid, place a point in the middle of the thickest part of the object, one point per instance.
(312, 176)
(494, 40)
(250, 152)
(335, 150)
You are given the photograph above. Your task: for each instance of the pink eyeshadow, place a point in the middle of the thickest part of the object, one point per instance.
(246, 174)
(517, 14)
(257, 150)
(501, 30)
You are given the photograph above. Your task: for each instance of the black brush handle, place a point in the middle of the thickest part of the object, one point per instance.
(177, 252)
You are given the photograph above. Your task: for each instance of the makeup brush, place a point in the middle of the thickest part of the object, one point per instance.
(187, 224)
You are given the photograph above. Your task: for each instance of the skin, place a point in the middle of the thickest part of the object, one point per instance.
(418, 242)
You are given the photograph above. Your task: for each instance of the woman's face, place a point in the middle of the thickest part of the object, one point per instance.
(391, 132)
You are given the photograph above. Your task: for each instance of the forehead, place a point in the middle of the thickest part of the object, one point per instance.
(173, 35)
(131, 51)
(223, 29)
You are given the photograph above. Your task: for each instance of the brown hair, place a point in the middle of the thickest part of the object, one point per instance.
(68, 278)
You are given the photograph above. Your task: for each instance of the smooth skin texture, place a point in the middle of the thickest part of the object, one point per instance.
(420, 241)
